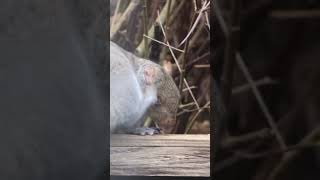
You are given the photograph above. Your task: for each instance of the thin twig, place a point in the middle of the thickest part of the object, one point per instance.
(232, 142)
(177, 63)
(160, 18)
(186, 105)
(264, 81)
(195, 5)
(145, 14)
(229, 54)
(186, 89)
(184, 59)
(169, 46)
(190, 110)
(207, 19)
(292, 154)
(222, 22)
(115, 14)
(175, 13)
(201, 66)
(191, 93)
(199, 58)
(191, 122)
(194, 39)
(167, 18)
(260, 100)
(206, 16)
(204, 6)
(160, 42)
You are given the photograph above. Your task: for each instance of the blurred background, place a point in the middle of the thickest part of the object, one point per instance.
(266, 66)
(144, 27)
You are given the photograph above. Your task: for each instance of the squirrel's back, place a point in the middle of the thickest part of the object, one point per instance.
(128, 101)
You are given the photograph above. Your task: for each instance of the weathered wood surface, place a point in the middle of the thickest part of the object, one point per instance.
(160, 155)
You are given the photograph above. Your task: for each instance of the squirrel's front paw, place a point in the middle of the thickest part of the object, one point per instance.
(147, 131)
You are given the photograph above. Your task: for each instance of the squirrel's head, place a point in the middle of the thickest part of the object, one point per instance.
(168, 96)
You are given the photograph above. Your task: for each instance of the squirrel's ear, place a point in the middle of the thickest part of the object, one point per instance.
(149, 75)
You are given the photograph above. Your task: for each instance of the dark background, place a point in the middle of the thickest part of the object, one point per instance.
(278, 40)
(52, 109)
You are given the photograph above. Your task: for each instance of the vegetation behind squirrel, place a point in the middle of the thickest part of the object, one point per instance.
(138, 86)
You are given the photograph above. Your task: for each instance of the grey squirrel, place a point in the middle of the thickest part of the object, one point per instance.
(138, 86)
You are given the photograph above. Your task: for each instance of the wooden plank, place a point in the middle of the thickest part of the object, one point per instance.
(179, 140)
(160, 155)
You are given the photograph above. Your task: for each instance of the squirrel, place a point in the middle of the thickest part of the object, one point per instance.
(139, 86)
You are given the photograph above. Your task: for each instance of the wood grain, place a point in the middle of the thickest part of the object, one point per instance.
(160, 155)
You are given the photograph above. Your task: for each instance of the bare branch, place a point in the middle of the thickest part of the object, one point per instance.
(205, 5)
(160, 42)
(260, 100)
